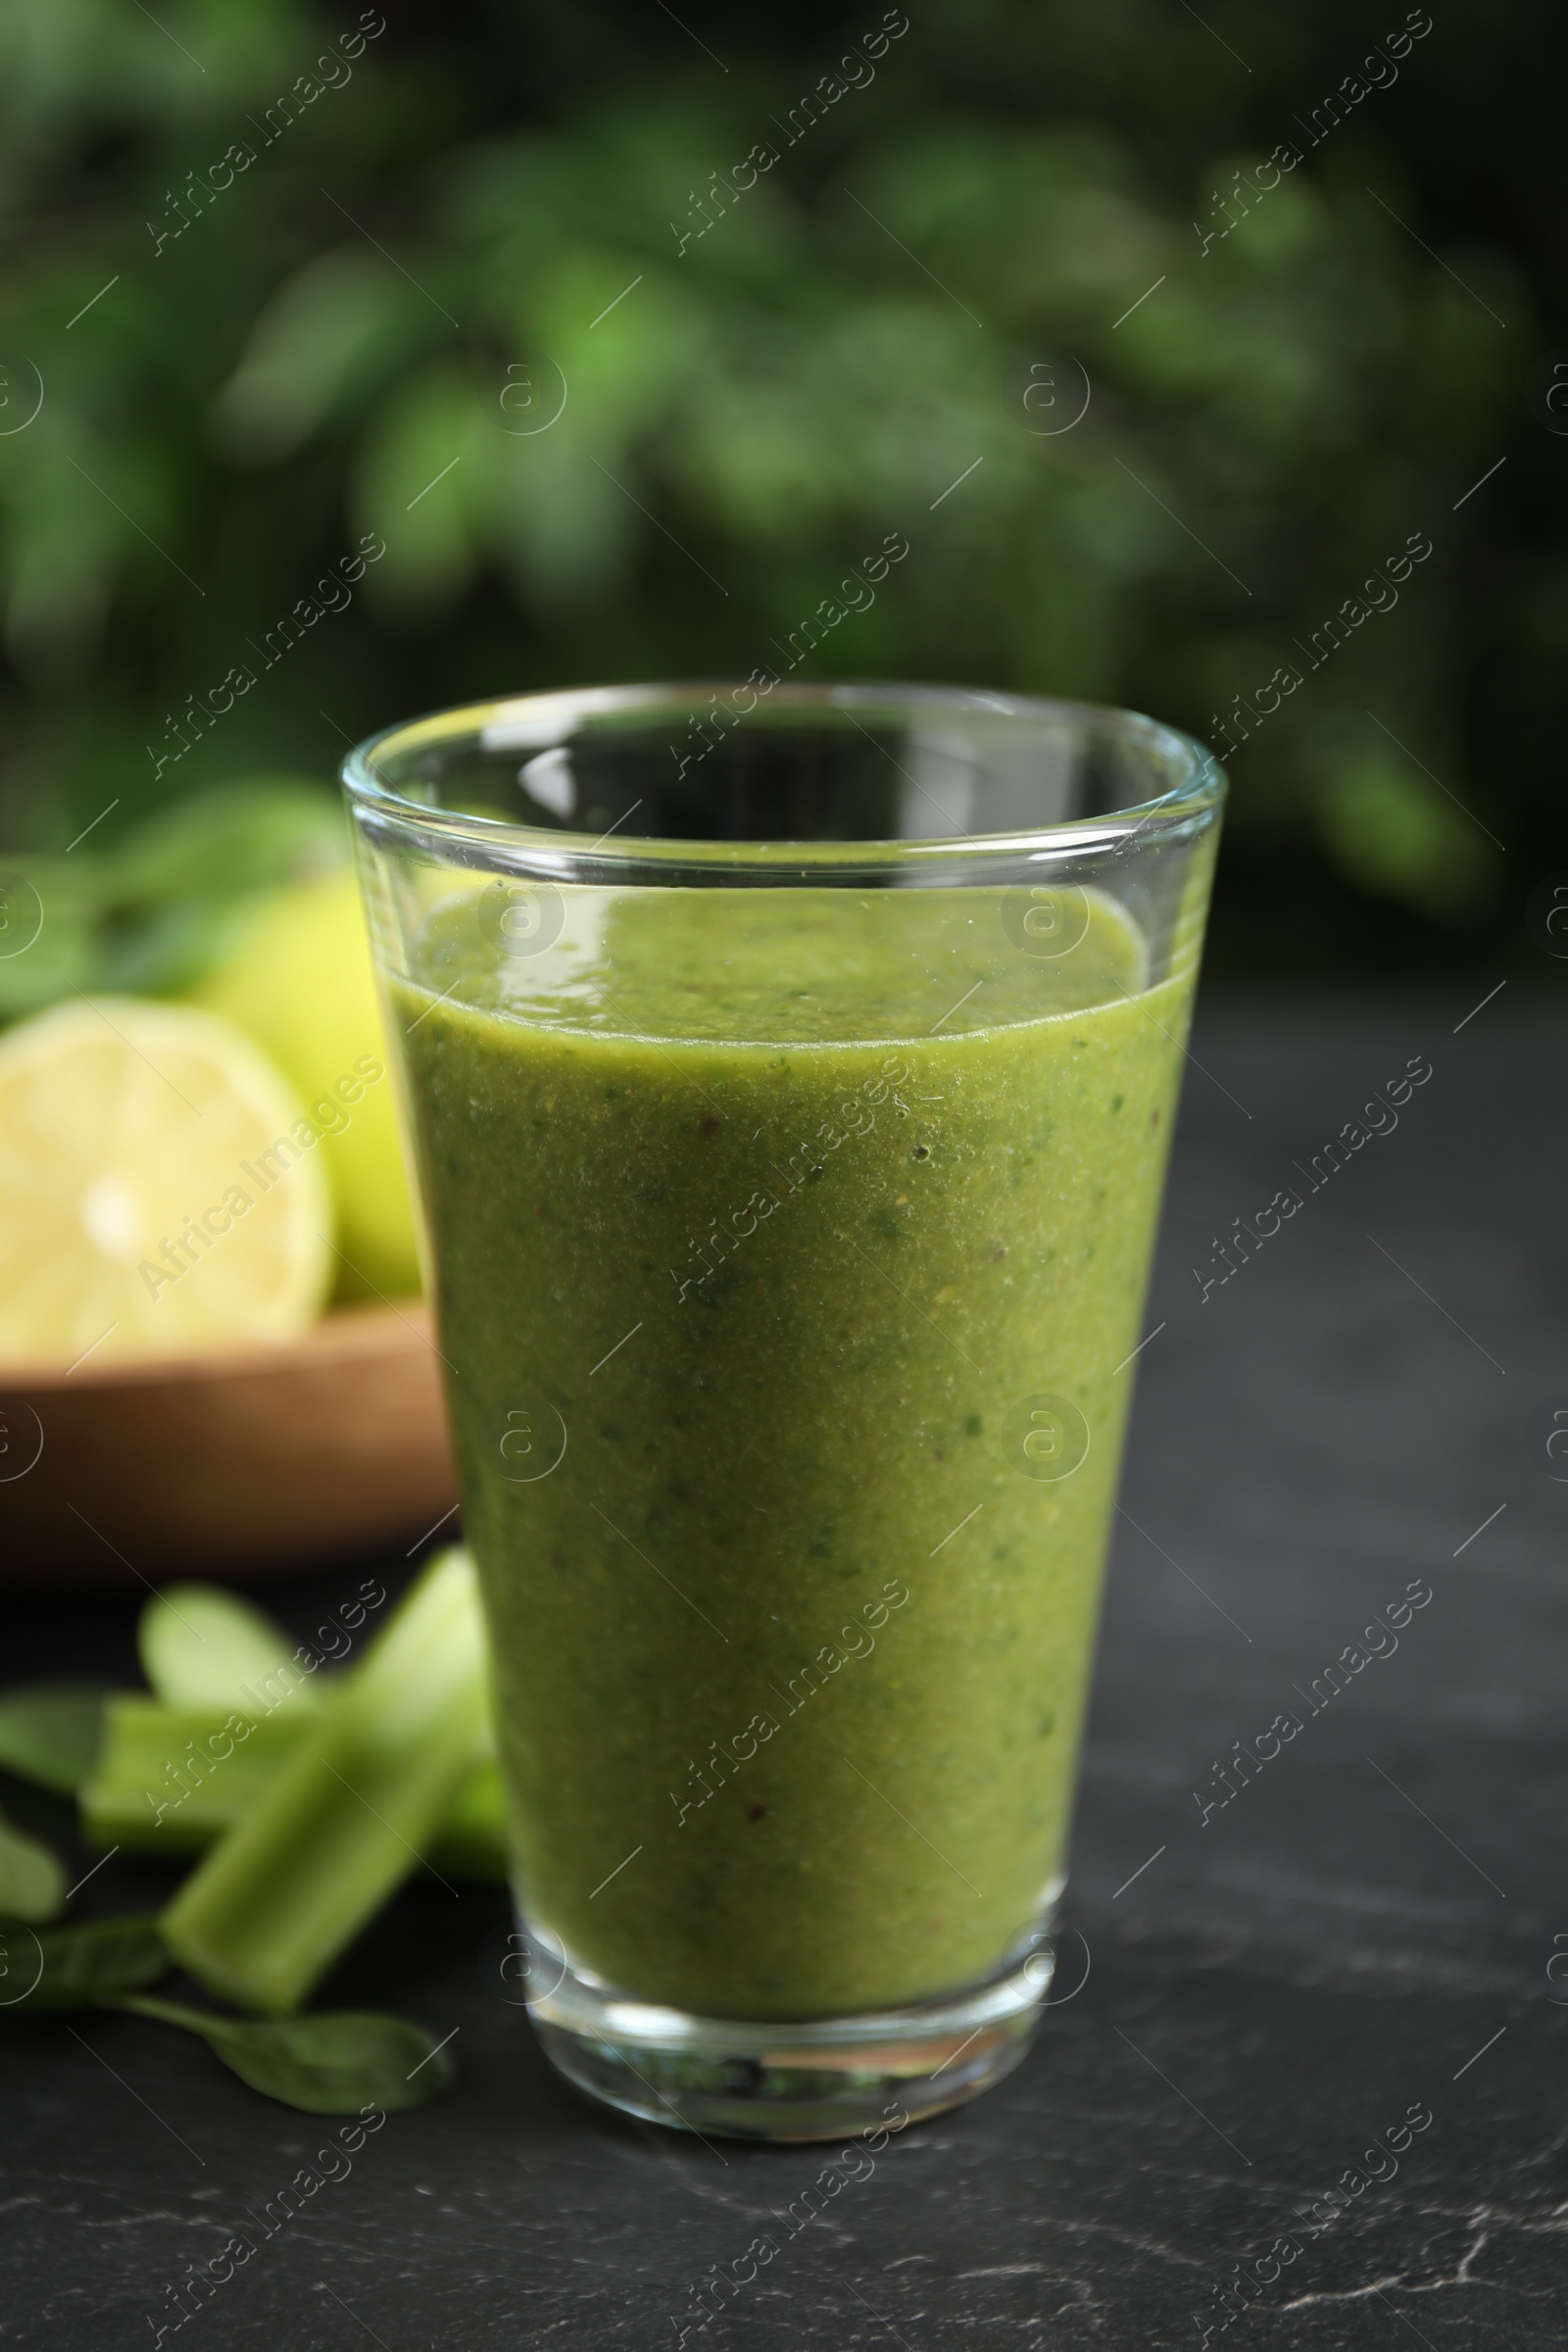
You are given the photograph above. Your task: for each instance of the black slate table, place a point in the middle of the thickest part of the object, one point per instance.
(1255, 2000)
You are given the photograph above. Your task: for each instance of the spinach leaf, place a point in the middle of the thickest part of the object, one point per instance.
(49, 1732)
(176, 886)
(32, 1880)
(338, 2062)
(47, 1970)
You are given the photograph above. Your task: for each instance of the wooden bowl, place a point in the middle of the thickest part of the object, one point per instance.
(229, 1462)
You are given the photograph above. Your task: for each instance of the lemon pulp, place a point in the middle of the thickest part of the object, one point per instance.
(160, 1188)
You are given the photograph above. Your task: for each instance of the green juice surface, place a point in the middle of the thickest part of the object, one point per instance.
(779, 1210)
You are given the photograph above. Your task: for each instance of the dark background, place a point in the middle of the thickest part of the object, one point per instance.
(333, 331)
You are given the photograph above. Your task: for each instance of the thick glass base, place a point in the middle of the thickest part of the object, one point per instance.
(825, 2078)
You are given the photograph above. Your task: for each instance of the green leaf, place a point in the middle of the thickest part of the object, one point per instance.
(1387, 830)
(230, 839)
(172, 945)
(47, 956)
(177, 887)
(49, 1732)
(53, 1969)
(32, 1878)
(338, 2062)
(204, 1648)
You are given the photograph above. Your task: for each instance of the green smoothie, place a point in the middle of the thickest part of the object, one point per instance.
(788, 1247)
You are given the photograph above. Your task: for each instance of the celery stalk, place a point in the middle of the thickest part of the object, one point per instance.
(263, 1916)
(171, 1780)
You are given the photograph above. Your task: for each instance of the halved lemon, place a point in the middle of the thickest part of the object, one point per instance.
(160, 1188)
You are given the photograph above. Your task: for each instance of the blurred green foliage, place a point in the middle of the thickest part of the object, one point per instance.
(150, 913)
(446, 307)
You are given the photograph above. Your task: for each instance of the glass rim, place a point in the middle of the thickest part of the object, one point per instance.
(540, 718)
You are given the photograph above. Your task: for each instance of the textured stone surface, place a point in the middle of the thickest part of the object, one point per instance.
(1277, 1988)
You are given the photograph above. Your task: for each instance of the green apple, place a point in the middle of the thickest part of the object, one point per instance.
(297, 975)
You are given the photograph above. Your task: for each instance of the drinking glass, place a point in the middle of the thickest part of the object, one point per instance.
(789, 1072)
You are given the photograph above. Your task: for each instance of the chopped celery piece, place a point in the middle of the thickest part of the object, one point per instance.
(203, 1647)
(169, 1779)
(263, 1916)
